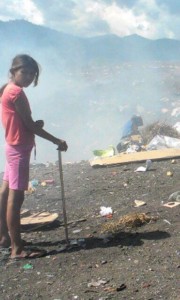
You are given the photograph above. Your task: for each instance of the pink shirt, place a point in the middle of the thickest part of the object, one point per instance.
(15, 131)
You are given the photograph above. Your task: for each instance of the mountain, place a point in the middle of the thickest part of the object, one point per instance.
(89, 87)
(18, 35)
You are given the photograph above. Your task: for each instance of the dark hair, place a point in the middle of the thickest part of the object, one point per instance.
(20, 61)
(137, 120)
(24, 60)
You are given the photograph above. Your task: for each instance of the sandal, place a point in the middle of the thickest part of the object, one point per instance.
(29, 254)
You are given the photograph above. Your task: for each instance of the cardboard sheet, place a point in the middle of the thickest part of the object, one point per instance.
(39, 218)
(124, 158)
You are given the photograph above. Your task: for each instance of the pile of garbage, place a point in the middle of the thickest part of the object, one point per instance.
(156, 136)
(160, 129)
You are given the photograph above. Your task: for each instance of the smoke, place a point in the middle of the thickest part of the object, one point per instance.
(87, 103)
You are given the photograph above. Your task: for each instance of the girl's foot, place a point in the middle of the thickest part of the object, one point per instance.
(28, 254)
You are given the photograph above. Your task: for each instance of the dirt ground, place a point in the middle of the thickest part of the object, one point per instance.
(140, 263)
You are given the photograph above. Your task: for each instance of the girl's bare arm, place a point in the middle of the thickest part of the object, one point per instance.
(23, 110)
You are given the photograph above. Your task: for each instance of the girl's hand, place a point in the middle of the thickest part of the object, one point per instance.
(61, 144)
(40, 123)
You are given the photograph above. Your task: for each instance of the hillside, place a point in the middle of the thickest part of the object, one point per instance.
(19, 35)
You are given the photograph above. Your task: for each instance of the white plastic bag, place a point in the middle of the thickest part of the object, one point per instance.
(162, 142)
(105, 211)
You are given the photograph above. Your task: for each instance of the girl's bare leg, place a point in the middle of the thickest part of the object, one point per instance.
(4, 235)
(15, 201)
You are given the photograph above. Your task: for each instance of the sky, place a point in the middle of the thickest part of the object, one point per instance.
(152, 19)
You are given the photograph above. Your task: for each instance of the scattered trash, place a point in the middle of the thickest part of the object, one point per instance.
(175, 196)
(166, 221)
(39, 218)
(78, 243)
(110, 151)
(171, 204)
(169, 173)
(94, 283)
(32, 186)
(77, 230)
(115, 289)
(148, 164)
(140, 169)
(28, 267)
(133, 148)
(31, 189)
(177, 127)
(49, 181)
(146, 168)
(121, 287)
(106, 211)
(139, 203)
(110, 289)
(130, 221)
(161, 142)
(103, 262)
(173, 161)
(34, 182)
(111, 193)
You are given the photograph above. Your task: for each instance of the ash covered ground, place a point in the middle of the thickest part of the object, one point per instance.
(139, 263)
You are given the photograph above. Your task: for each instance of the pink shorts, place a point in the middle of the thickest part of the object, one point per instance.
(17, 166)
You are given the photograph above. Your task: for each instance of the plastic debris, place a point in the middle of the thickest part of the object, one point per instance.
(139, 203)
(166, 221)
(49, 181)
(148, 164)
(146, 168)
(105, 211)
(175, 196)
(177, 125)
(162, 142)
(171, 204)
(169, 173)
(31, 188)
(34, 182)
(77, 230)
(140, 169)
(110, 151)
(28, 267)
(94, 283)
(133, 148)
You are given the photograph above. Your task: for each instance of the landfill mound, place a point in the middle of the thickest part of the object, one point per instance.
(158, 128)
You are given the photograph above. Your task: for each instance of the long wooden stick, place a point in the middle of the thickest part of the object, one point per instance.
(62, 195)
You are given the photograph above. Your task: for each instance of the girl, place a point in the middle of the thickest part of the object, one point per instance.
(20, 129)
